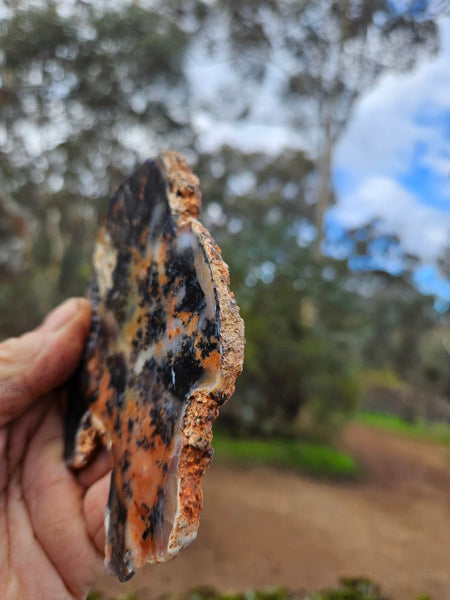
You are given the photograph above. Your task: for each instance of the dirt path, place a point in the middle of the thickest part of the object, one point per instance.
(263, 528)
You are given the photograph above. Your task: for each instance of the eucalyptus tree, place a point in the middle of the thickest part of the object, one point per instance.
(87, 91)
(304, 63)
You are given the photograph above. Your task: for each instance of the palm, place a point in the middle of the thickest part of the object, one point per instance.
(51, 521)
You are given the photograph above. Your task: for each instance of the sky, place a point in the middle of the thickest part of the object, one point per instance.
(393, 162)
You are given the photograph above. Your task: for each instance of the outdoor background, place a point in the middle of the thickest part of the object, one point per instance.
(320, 131)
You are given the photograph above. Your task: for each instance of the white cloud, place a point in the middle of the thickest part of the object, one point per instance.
(386, 124)
(228, 108)
(399, 127)
(250, 136)
(421, 229)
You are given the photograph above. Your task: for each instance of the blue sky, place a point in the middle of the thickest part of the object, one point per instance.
(393, 162)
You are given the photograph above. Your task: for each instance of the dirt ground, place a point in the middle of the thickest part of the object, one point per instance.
(263, 528)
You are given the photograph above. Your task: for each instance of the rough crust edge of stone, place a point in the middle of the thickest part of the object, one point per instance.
(202, 407)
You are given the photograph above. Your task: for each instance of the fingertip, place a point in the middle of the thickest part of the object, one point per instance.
(84, 306)
(72, 310)
(60, 340)
(66, 342)
(42, 359)
(101, 465)
(82, 317)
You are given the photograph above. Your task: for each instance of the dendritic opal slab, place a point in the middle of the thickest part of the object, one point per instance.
(165, 348)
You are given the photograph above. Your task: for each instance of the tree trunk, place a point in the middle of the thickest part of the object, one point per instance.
(324, 191)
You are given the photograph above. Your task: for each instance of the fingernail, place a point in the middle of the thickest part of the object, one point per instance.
(61, 315)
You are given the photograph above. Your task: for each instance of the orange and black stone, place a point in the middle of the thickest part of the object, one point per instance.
(165, 348)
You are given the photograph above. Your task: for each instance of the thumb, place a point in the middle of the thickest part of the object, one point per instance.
(43, 359)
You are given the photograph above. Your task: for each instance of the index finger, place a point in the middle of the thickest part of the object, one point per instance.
(43, 359)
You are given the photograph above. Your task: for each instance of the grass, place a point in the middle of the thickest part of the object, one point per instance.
(348, 589)
(435, 432)
(98, 596)
(314, 459)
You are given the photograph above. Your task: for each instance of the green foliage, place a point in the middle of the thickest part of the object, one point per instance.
(348, 589)
(298, 313)
(311, 458)
(390, 309)
(207, 593)
(80, 91)
(384, 377)
(94, 595)
(434, 432)
(434, 359)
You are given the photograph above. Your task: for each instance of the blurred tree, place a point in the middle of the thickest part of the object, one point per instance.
(316, 58)
(398, 314)
(434, 360)
(86, 90)
(310, 327)
(399, 317)
(16, 226)
(300, 354)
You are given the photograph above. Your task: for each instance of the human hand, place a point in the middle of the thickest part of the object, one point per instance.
(51, 520)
